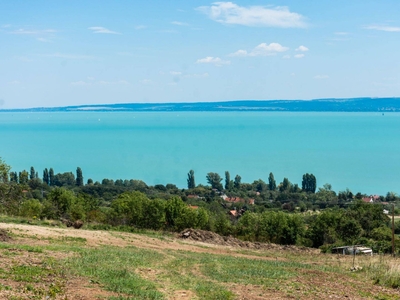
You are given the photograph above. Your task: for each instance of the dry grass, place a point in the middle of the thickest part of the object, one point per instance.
(79, 264)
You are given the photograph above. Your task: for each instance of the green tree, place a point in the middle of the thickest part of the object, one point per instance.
(14, 177)
(190, 180)
(31, 208)
(129, 208)
(46, 176)
(285, 185)
(271, 182)
(51, 177)
(79, 177)
(214, 180)
(174, 208)
(11, 195)
(32, 173)
(61, 200)
(227, 180)
(309, 183)
(4, 170)
(237, 182)
(64, 179)
(154, 214)
(348, 229)
(23, 177)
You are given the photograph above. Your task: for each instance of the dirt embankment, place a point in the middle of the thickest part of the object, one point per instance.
(216, 239)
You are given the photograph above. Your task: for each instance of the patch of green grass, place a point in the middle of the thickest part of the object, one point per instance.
(5, 287)
(28, 248)
(114, 268)
(29, 221)
(73, 239)
(29, 273)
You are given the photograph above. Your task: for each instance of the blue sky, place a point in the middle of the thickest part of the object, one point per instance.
(58, 53)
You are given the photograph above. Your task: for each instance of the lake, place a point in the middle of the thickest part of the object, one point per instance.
(359, 151)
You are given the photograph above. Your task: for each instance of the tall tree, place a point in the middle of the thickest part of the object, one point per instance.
(23, 177)
(79, 177)
(309, 183)
(227, 180)
(285, 185)
(13, 177)
(32, 173)
(237, 182)
(46, 176)
(51, 177)
(190, 180)
(214, 180)
(4, 169)
(271, 182)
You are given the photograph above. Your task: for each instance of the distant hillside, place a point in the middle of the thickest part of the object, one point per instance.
(317, 105)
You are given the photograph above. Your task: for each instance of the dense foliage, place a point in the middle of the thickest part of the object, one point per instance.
(266, 212)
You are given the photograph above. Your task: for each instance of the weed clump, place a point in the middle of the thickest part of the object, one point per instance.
(4, 237)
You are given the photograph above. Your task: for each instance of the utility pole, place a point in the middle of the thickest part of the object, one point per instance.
(393, 230)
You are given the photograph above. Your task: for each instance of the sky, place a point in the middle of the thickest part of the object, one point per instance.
(61, 53)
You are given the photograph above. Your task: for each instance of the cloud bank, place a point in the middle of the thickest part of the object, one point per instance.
(262, 50)
(99, 29)
(257, 16)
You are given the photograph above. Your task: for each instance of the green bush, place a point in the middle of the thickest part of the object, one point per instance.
(31, 208)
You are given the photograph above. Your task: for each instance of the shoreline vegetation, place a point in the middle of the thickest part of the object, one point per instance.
(316, 105)
(127, 243)
(269, 212)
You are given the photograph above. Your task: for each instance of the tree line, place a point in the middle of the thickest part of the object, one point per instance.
(283, 213)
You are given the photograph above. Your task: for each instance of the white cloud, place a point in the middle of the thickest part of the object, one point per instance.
(146, 81)
(240, 53)
(231, 13)
(196, 75)
(299, 55)
(262, 50)
(138, 27)
(213, 60)
(80, 83)
(302, 49)
(33, 31)
(168, 31)
(341, 33)
(175, 73)
(179, 23)
(70, 56)
(123, 82)
(92, 82)
(24, 58)
(99, 29)
(383, 28)
(321, 77)
(45, 35)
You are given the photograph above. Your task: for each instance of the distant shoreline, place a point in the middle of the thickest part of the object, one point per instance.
(316, 105)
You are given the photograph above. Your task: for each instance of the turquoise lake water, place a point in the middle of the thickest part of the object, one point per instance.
(359, 151)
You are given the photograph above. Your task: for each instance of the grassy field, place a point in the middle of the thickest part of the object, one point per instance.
(47, 262)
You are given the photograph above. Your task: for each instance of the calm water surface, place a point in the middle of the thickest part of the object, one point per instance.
(359, 151)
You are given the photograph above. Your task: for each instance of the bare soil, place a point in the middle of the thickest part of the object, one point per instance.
(216, 239)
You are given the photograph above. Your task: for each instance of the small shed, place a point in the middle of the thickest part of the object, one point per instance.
(351, 250)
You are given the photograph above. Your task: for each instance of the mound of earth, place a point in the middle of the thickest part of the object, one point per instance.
(4, 237)
(216, 239)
